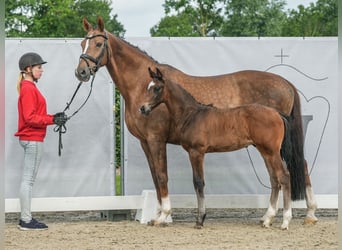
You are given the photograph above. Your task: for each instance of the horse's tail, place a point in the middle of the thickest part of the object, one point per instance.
(293, 150)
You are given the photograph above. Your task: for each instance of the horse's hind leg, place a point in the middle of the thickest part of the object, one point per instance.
(273, 205)
(196, 159)
(310, 199)
(284, 179)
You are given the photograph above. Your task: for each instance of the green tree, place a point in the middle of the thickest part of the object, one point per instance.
(50, 18)
(319, 19)
(175, 26)
(190, 18)
(253, 18)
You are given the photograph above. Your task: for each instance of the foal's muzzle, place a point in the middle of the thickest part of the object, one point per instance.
(145, 110)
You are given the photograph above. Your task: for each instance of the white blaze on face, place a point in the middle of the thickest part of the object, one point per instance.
(87, 45)
(151, 84)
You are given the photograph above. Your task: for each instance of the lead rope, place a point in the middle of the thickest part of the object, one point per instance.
(61, 129)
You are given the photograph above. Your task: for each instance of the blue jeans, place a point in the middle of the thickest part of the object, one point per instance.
(33, 151)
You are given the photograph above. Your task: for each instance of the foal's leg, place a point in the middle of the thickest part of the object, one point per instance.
(310, 199)
(196, 159)
(280, 178)
(156, 156)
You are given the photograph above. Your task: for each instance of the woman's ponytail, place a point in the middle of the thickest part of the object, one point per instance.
(20, 78)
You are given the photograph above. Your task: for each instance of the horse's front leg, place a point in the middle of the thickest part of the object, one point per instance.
(156, 156)
(310, 199)
(196, 159)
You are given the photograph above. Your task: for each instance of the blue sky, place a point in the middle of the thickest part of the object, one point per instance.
(138, 16)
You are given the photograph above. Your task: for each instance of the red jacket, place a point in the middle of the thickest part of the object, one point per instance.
(32, 116)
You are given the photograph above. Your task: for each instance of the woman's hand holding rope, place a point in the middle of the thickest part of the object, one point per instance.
(60, 119)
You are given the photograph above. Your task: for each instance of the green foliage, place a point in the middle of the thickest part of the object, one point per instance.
(253, 18)
(117, 116)
(176, 26)
(246, 18)
(318, 19)
(62, 18)
(190, 18)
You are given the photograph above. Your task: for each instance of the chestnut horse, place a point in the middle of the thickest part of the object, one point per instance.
(127, 64)
(205, 128)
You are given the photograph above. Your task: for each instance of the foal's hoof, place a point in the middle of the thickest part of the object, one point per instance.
(310, 220)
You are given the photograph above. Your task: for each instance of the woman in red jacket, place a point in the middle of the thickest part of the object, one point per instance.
(32, 122)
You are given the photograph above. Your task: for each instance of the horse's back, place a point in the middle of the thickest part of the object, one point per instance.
(238, 88)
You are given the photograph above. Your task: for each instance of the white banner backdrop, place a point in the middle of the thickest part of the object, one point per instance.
(86, 166)
(310, 64)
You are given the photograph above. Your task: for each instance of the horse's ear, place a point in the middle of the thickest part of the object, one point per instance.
(86, 25)
(152, 74)
(159, 74)
(100, 23)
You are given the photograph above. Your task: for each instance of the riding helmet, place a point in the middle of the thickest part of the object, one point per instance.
(30, 59)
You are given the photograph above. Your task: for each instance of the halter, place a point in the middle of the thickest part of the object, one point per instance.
(61, 129)
(97, 60)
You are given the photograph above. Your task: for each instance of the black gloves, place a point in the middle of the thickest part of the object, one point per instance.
(60, 118)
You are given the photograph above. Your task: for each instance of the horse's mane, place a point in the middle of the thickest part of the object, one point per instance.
(136, 47)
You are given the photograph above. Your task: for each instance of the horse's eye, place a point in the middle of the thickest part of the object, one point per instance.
(98, 44)
(157, 89)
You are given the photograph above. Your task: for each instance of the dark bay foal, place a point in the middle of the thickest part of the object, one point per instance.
(204, 129)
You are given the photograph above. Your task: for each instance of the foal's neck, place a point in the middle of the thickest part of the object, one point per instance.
(180, 103)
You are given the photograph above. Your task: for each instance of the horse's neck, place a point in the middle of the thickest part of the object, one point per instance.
(127, 67)
(180, 103)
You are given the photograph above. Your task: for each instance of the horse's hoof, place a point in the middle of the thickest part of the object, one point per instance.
(267, 223)
(310, 221)
(162, 224)
(152, 223)
(198, 225)
(284, 226)
(155, 223)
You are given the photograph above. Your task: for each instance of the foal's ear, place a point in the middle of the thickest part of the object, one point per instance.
(100, 23)
(86, 25)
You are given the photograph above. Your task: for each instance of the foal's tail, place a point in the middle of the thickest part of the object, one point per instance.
(292, 150)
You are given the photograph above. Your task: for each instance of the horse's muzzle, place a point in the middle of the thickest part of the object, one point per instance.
(83, 74)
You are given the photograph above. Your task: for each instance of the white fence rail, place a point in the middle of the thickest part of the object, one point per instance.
(147, 201)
